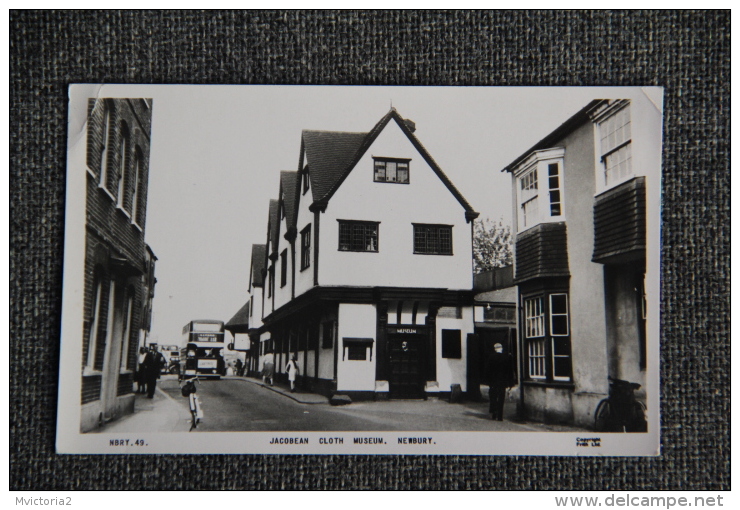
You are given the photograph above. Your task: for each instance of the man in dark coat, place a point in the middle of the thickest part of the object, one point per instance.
(499, 373)
(152, 366)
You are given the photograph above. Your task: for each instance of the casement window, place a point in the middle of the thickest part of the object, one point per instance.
(358, 235)
(432, 239)
(451, 343)
(529, 198)
(306, 183)
(123, 166)
(284, 268)
(270, 281)
(391, 170)
(138, 157)
(547, 337)
(539, 188)
(92, 342)
(106, 140)
(306, 247)
(615, 144)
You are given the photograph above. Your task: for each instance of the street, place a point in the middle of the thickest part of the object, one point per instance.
(243, 404)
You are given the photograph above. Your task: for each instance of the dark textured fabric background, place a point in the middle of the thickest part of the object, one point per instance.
(686, 52)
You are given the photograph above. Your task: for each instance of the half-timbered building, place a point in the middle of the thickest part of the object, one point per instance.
(368, 267)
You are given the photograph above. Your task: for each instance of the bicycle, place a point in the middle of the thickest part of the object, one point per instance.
(196, 413)
(620, 411)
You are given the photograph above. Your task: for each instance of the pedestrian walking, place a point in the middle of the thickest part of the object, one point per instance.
(153, 363)
(268, 368)
(292, 370)
(239, 367)
(500, 377)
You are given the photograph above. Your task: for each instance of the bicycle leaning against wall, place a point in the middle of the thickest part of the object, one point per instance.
(188, 390)
(620, 411)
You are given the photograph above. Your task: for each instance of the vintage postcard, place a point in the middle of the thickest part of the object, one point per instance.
(361, 270)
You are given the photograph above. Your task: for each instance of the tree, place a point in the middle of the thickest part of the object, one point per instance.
(492, 245)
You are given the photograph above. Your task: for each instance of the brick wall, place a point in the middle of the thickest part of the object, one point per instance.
(115, 226)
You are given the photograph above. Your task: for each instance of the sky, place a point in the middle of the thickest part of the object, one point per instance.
(217, 152)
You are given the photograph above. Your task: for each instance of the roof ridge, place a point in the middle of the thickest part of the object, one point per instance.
(368, 141)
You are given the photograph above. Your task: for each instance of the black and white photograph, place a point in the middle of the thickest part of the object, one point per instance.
(373, 270)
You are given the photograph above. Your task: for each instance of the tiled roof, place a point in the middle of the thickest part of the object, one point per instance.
(274, 224)
(289, 182)
(332, 156)
(240, 318)
(258, 264)
(328, 154)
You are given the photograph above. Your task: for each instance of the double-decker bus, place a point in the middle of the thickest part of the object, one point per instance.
(203, 354)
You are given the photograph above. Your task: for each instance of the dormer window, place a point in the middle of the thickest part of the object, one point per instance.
(391, 170)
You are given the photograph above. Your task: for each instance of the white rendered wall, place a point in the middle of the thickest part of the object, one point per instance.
(283, 294)
(396, 206)
(356, 321)
(304, 279)
(326, 356)
(453, 371)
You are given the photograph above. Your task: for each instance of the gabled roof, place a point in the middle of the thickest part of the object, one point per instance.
(333, 155)
(240, 320)
(274, 224)
(329, 153)
(558, 134)
(258, 264)
(289, 182)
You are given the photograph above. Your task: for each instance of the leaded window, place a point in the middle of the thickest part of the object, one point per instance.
(358, 236)
(391, 170)
(432, 239)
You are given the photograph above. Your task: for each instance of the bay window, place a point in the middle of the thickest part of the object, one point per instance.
(547, 337)
(539, 190)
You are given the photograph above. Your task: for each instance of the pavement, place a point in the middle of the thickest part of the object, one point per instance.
(161, 413)
(283, 389)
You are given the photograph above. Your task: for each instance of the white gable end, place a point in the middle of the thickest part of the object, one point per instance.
(396, 207)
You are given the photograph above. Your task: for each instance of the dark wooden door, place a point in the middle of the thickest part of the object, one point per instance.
(407, 366)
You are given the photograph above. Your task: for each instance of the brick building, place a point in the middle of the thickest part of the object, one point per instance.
(119, 266)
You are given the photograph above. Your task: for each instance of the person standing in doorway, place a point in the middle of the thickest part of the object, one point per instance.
(499, 373)
(292, 370)
(268, 369)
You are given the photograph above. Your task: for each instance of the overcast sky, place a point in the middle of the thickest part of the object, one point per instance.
(216, 154)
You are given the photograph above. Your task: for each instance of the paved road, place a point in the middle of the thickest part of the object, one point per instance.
(240, 405)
